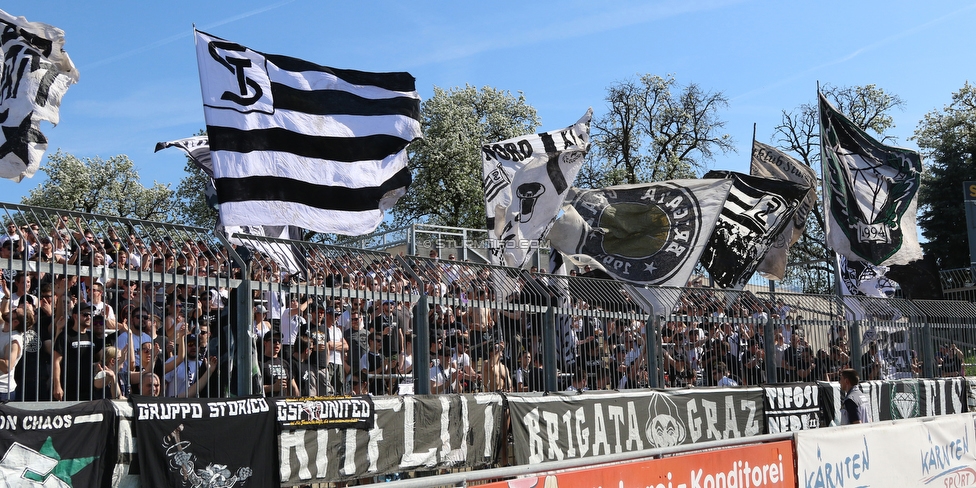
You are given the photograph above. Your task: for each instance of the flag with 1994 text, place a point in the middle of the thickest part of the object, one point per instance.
(870, 193)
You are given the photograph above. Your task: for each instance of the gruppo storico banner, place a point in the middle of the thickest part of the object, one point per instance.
(564, 426)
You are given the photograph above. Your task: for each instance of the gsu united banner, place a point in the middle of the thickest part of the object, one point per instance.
(566, 426)
(203, 443)
(63, 447)
(409, 433)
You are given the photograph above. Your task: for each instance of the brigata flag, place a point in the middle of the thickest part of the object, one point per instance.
(36, 73)
(525, 181)
(755, 213)
(870, 193)
(646, 234)
(769, 162)
(295, 143)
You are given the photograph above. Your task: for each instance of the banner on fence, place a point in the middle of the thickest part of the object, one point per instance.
(901, 399)
(933, 452)
(206, 442)
(73, 446)
(410, 433)
(354, 412)
(759, 465)
(561, 426)
(789, 408)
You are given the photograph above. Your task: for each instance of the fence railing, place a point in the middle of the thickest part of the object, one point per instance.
(98, 306)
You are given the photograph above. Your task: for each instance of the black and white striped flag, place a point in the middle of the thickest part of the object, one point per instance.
(36, 74)
(295, 143)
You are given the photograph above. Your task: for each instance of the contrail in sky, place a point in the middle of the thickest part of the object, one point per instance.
(184, 35)
(854, 54)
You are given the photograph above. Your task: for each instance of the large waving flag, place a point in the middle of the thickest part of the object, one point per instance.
(769, 162)
(525, 181)
(295, 143)
(36, 74)
(646, 234)
(755, 213)
(870, 193)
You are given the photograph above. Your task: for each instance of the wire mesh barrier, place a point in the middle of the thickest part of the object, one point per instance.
(98, 306)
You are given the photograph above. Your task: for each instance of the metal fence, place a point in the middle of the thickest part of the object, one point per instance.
(99, 306)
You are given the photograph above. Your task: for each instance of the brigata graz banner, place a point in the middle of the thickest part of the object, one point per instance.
(565, 426)
(198, 443)
(62, 447)
(409, 433)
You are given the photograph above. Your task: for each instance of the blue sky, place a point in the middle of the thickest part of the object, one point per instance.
(139, 81)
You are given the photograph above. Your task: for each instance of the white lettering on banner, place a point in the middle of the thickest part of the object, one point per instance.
(36, 422)
(792, 408)
(709, 410)
(599, 431)
(616, 428)
(46, 422)
(233, 408)
(832, 473)
(740, 476)
(410, 458)
(314, 411)
(169, 411)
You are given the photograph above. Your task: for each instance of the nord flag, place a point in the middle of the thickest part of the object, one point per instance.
(525, 180)
(36, 73)
(755, 213)
(769, 162)
(295, 143)
(646, 234)
(870, 193)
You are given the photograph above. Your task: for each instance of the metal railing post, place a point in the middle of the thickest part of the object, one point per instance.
(855, 339)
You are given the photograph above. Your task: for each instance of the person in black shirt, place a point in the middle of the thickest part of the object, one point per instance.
(74, 355)
(300, 368)
(357, 338)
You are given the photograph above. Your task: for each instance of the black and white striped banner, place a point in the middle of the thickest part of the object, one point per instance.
(295, 143)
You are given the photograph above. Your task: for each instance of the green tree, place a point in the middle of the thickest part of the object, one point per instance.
(103, 186)
(811, 263)
(947, 138)
(654, 130)
(447, 187)
(190, 201)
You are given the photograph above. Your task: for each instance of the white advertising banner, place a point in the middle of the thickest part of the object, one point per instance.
(929, 452)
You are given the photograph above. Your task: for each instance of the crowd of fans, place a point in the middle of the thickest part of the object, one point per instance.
(87, 335)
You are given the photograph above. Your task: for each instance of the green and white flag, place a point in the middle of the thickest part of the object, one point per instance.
(870, 193)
